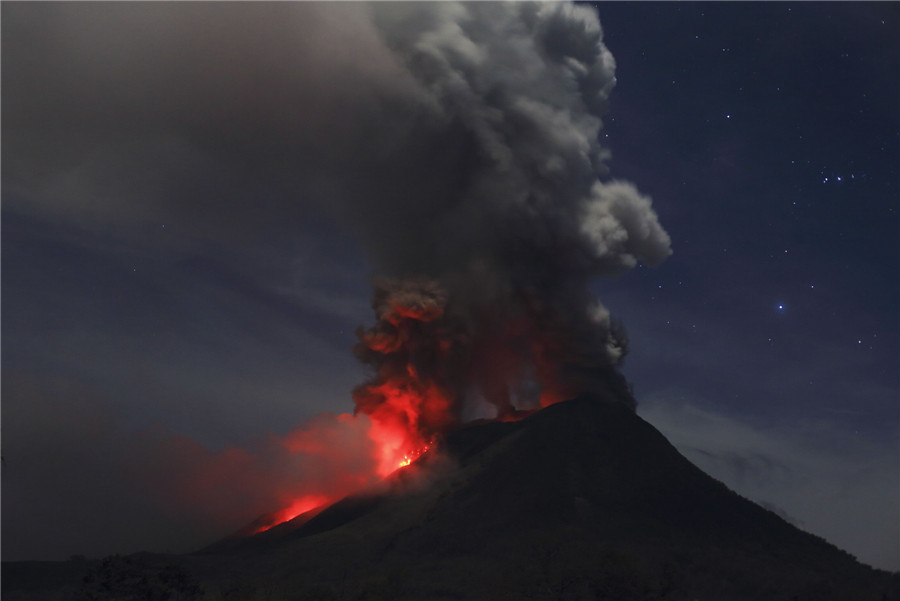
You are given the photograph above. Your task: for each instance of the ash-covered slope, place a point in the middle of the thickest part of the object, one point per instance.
(582, 500)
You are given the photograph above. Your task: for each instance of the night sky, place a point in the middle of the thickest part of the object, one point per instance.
(170, 302)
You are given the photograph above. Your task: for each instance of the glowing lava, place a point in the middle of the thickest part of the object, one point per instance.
(395, 430)
(419, 354)
(395, 443)
(408, 398)
(298, 507)
(412, 456)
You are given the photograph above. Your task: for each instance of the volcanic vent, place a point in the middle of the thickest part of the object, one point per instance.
(483, 301)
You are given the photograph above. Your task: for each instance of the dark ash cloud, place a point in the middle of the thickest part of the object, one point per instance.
(458, 142)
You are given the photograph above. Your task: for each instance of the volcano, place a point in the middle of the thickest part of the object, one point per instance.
(580, 500)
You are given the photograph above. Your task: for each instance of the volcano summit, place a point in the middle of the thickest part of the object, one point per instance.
(581, 500)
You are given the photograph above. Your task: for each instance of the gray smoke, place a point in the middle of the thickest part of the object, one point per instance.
(458, 141)
(522, 223)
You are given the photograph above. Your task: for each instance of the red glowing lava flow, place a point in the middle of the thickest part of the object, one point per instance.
(412, 456)
(397, 439)
(415, 352)
(298, 507)
(394, 446)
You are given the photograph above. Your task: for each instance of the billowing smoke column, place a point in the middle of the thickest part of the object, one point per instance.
(412, 398)
(487, 297)
(457, 141)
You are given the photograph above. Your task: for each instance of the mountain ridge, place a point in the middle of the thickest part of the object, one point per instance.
(581, 476)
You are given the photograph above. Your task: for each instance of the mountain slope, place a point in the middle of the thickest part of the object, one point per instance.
(575, 499)
(580, 501)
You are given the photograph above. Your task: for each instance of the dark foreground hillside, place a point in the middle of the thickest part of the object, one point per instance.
(581, 501)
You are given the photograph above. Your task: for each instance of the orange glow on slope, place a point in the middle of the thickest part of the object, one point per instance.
(412, 456)
(298, 507)
(392, 452)
(393, 429)
(430, 363)
(402, 420)
(420, 355)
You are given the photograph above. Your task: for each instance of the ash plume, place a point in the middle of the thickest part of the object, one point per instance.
(457, 141)
(490, 297)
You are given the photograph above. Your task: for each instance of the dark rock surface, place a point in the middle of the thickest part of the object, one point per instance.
(582, 500)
